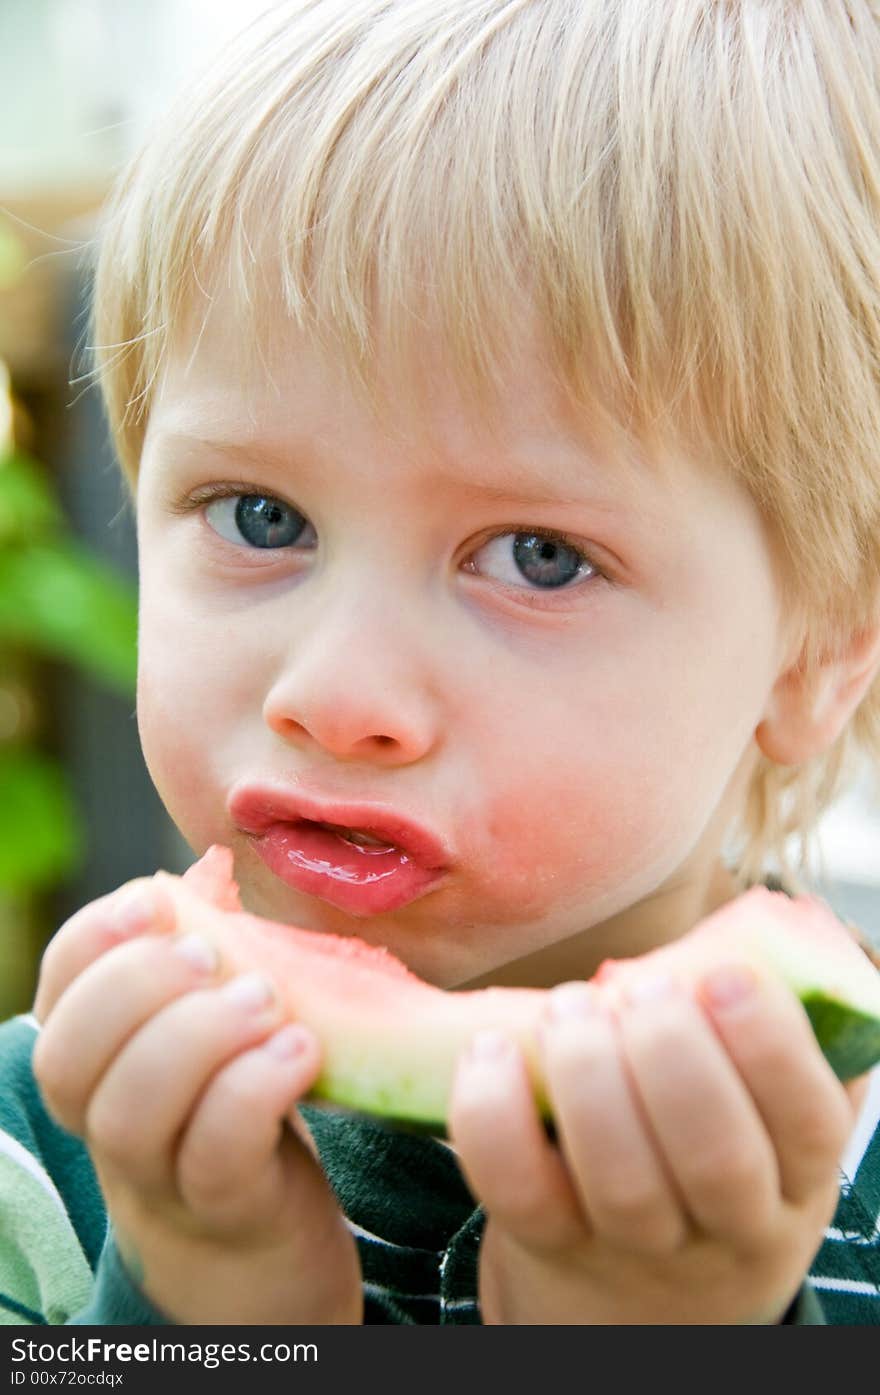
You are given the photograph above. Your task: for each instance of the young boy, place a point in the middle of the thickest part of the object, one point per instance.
(497, 382)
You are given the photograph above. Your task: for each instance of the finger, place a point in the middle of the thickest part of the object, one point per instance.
(703, 1117)
(103, 1008)
(229, 1169)
(145, 1100)
(768, 1037)
(503, 1148)
(134, 909)
(616, 1168)
(856, 1091)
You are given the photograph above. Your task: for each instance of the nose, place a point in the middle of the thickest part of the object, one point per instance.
(355, 685)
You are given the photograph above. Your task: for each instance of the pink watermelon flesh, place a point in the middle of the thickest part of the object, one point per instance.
(390, 1041)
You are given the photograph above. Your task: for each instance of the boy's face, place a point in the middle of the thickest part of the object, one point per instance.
(573, 719)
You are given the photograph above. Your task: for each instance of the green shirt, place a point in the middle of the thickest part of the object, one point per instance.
(415, 1223)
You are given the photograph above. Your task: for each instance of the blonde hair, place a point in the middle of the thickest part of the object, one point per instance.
(688, 189)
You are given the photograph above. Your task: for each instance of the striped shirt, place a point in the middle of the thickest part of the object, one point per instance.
(415, 1223)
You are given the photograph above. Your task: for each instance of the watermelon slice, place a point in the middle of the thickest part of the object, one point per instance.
(390, 1041)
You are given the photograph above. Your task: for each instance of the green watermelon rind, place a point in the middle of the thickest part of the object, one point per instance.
(849, 1039)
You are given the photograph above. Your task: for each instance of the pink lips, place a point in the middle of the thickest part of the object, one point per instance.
(362, 879)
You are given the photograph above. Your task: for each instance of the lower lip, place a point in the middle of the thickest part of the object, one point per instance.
(360, 880)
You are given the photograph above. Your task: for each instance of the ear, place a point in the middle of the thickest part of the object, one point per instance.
(808, 709)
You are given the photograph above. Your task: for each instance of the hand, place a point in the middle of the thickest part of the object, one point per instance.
(184, 1089)
(699, 1136)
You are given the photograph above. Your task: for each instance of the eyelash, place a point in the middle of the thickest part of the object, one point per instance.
(208, 494)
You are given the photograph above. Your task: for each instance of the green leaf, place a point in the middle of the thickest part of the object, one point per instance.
(28, 506)
(40, 842)
(56, 598)
(13, 258)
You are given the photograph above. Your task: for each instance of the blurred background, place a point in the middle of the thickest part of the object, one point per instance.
(80, 83)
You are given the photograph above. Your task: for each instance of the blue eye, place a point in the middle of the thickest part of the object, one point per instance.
(542, 560)
(258, 520)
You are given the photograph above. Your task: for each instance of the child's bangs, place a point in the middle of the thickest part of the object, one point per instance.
(383, 172)
(376, 188)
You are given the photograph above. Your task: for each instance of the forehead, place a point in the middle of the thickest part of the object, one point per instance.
(262, 382)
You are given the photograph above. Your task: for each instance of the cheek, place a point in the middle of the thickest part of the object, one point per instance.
(558, 834)
(171, 740)
(589, 809)
(187, 700)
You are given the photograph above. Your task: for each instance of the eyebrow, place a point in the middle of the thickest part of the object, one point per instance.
(523, 483)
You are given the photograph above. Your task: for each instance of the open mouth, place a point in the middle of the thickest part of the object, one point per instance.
(356, 836)
(362, 856)
(349, 867)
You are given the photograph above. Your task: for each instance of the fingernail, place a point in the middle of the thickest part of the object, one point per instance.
(249, 991)
(291, 1041)
(728, 986)
(650, 988)
(136, 912)
(572, 1000)
(489, 1045)
(197, 952)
